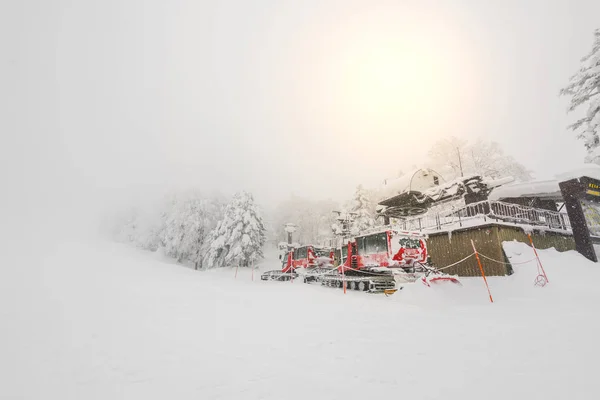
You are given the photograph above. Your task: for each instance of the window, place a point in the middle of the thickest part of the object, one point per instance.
(409, 243)
(284, 259)
(300, 253)
(374, 244)
(360, 245)
(322, 252)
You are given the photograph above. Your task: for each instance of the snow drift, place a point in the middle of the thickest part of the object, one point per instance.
(90, 321)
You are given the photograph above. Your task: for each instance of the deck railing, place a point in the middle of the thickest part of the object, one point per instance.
(485, 211)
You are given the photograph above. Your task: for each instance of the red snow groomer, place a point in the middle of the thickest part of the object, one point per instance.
(376, 262)
(312, 261)
(307, 260)
(311, 256)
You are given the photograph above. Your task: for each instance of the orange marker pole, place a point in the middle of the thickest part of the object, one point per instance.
(236, 269)
(344, 279)
(481, 269)
(538, 257)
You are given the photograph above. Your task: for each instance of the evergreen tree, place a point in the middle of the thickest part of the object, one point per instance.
(197, 223)
(141, 229)
(188, 224)
(584, 88)
(205, 217)
(174, 230)
(239, 237)
(179, 224)
(362, 210)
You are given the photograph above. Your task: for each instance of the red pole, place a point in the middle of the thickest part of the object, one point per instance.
(538, 257)
(291, 271)
(343, 269)
(481, 269)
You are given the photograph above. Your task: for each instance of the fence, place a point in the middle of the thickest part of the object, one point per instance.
(488, 211)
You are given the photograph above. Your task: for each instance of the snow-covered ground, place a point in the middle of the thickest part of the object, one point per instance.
(86, 320)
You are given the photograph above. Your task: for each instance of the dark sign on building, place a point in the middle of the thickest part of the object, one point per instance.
(582, 200)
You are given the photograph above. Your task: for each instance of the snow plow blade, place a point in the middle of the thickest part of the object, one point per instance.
(428, 280)
(382, 286)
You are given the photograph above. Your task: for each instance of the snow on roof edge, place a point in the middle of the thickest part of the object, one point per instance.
(525, 189)
(591, 170)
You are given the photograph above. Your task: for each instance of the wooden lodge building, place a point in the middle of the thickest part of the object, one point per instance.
(489, 212)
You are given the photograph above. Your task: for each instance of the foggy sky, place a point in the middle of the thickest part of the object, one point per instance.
(109, 97)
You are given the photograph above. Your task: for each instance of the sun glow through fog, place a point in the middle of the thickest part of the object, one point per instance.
(393, 80)
(401, 91)
(391, 90)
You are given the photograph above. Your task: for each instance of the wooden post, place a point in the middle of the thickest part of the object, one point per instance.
(481, 269)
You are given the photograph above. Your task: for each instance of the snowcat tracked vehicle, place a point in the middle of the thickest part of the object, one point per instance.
(308, 261)
(312, 261)
(382, 261)
(286, 272)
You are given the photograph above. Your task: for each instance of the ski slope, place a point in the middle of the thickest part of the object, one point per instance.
(85, 320)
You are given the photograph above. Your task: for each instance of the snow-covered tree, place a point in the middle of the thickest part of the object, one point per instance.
(174, 230)
(584, 88)
(447, 156)
(487, 158)
(362, 210)
(141, 228)
(453, 157)
(188, 224)
(239, 237)
(209, 213)
(179, 224)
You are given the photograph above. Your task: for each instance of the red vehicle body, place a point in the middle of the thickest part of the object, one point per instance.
(384, 249)
(382, 252)
(373, 262)
(307, 257)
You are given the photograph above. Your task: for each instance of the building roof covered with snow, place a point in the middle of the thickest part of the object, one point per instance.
(472, 188)
(547, 189)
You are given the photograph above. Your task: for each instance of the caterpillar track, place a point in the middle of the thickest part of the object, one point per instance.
(371, 284)
(278, 275)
